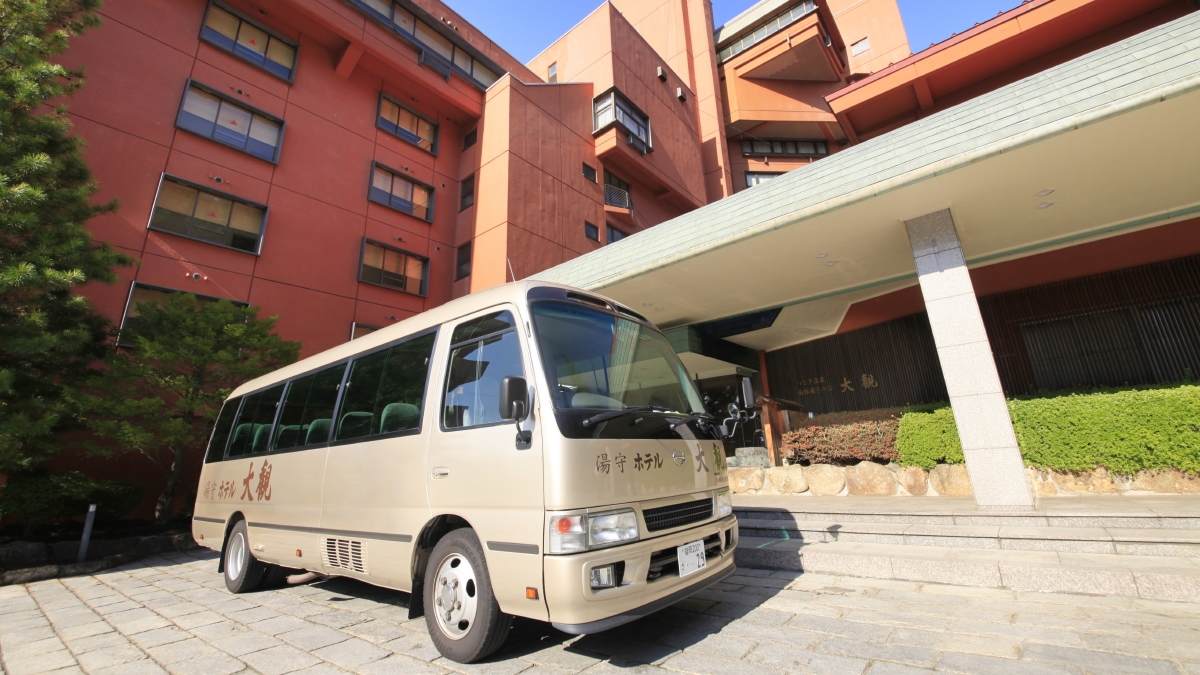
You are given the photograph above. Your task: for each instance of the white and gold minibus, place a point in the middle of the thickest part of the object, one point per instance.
(529, 450)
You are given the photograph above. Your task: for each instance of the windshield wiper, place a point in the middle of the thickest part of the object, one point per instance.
(692, 418)
(612, 414)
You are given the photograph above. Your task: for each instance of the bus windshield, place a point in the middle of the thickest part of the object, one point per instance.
(597, 361)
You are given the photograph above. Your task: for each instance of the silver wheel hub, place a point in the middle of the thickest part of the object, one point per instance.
(456, 595)
(235, 559)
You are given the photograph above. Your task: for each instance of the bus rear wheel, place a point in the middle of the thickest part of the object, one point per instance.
(243, 572)
(461, 612)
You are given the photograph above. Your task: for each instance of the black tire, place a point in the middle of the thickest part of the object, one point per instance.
(488, 627)
(243, 572)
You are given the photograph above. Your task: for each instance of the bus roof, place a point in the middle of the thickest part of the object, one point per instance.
(514, 292)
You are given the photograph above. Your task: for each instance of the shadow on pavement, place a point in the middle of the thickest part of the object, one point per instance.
(652, 639)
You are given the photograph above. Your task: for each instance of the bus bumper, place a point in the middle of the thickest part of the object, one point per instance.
(576, 608)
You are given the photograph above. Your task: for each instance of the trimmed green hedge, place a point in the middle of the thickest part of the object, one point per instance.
(927, 438)
(1124, 431)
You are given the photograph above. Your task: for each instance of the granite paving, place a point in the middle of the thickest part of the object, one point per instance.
(172, 614)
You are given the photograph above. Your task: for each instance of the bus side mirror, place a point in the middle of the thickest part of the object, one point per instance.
(514, 398)
(514, 404)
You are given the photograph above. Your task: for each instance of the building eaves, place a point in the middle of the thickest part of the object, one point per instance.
(933, 49)
(1147, 68)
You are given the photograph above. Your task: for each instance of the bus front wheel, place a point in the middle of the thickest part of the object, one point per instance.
(243, 572)
(464, 619)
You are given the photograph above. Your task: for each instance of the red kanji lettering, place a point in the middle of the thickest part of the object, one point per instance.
(264, 482)
(246, 482)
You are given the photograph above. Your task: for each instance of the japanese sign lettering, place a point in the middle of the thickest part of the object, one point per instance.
(605, 465)
(817, 385)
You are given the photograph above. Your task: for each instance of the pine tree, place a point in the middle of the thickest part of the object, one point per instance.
(161, 397)
(49, 336)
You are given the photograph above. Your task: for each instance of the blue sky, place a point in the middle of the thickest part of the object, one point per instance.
(525, 27)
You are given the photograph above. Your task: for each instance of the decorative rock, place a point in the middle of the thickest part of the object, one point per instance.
(825, 480)
(23, 553)
(1098, 480)
(1166, 480)
(869, 478)
(913, 478)
(760, 461)
(785, 480)
(951, 480)
(745, 479)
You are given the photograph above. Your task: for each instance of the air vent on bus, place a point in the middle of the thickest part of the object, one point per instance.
(346, 554)
(588, 300)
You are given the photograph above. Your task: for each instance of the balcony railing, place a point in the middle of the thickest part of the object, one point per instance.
(615, 196)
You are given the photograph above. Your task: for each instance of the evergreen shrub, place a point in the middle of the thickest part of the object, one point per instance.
(1124, 431)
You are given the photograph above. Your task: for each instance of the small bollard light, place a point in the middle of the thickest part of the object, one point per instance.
(87, 533)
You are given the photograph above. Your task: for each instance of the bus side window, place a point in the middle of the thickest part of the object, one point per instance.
(307, 413)
(220, 435)
(252, 432)
(385, 390)
(475, 370)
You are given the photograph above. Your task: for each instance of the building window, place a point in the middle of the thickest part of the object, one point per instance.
(616, 192)
(386, 266)
(429, 41)
(187, 210)
(589, 172)
(462, 263)
(784, 148)
(467, 197)
(358, 330)
(612, 108)
(552, 73)
(141, 295)
(212, 115)
(400, 193)
(591, 231)
(470, 139)
(759, 177)
(614, 234)
(406, 124)
(767, 29)
(230, 31)
(860, 46)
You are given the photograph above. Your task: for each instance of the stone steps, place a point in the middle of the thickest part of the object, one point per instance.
(962, 511)
(1153, 541)
(1158, 577)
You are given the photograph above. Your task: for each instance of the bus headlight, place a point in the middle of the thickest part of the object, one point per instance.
(568, 534)
(724, 504)
(612, 528)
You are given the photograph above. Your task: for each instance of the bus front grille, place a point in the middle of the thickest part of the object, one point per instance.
(346, 554)
(675, 515)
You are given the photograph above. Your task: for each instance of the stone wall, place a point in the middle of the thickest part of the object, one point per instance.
(869, 478)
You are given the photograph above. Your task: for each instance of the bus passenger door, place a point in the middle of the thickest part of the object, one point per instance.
(477, 470)
(374, 501)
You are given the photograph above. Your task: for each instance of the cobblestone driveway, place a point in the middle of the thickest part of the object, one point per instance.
(173, 614)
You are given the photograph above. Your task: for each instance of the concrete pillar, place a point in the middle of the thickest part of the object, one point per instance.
(980, 411)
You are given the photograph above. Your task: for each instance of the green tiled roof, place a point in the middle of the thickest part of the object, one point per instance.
(1147, 68)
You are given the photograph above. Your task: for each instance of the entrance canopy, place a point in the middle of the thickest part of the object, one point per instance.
(1099, 146)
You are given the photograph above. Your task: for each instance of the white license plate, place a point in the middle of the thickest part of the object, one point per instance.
(691, 558)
